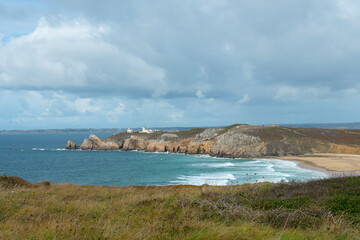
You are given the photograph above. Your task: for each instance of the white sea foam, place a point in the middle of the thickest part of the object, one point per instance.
(274, 180)
(219, 179)
(270, 168)
(214, 165)
(250, 163)
(161, 152)
(59, 149)
(293, 168)
(38, 149)
(203, 156)
(219, 165)
(282, 163)
(143, 151)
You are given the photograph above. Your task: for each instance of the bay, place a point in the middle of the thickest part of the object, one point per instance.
(42, 156)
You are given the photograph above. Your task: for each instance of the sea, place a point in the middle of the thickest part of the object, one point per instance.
(38, 157)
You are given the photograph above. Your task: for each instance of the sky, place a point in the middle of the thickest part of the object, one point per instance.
(119, 64)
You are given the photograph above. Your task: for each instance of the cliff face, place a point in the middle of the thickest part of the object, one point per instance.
(233, 141)
(95, 143)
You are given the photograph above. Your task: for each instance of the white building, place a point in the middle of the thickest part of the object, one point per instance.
(129, 130)
(144, 130)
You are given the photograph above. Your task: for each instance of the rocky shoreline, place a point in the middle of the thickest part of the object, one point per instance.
(236, 141)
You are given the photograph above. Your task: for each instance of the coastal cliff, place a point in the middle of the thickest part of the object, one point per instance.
(239, 140)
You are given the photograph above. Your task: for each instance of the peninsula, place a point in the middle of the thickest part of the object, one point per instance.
(310, 145)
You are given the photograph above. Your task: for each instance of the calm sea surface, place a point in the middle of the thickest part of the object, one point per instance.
(38, 157)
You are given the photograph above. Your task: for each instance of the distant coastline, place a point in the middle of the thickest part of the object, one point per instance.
(83, 130)
(354, 125)
(68, 130)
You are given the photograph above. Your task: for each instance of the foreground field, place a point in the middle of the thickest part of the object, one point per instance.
(323, 209)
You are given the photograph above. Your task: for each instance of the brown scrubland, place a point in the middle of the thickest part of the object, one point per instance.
(320, 209)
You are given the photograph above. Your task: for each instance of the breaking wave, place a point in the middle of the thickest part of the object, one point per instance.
(219, 179)
(38, 149)
(214, 165)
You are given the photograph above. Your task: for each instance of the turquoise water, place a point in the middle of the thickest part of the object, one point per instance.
(38, 157)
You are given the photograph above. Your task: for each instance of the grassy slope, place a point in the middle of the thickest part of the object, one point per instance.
(267, 133)
(275, 133)
(324, 209)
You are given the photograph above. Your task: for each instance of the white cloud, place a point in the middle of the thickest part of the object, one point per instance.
(176, 116)
(349, 9)
(210, 100)
(84, 105)
(248, 72)
(244, 99)
(118, 110)
(288, 93)
(199, 94)
(228, 48)
(351, 92)
(202, 72)
(176, 55)
(76, 56)
(152, 112)
(46, 112)
(117, 114)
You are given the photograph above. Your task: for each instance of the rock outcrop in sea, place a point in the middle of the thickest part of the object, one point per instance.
(235, 141)
(71, 145)
(95, 143)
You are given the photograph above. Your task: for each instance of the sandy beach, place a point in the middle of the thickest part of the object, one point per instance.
(333, 163)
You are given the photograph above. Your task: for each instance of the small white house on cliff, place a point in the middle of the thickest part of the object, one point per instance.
(144, 130)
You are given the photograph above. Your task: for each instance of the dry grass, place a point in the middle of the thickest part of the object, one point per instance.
(324, 209)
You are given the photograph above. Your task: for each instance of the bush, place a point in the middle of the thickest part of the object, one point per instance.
(349, 206)
(45, 183)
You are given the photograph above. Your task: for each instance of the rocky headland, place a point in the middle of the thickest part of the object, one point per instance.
(235, 141)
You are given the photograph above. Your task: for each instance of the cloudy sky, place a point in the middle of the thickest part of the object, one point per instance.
(70, 64)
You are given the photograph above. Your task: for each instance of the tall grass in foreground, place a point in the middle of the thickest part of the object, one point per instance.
(321, 209)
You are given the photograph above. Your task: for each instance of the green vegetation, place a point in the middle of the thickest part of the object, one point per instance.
(322, 209)
(9, 182)
(232, 126)
(189, 133)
